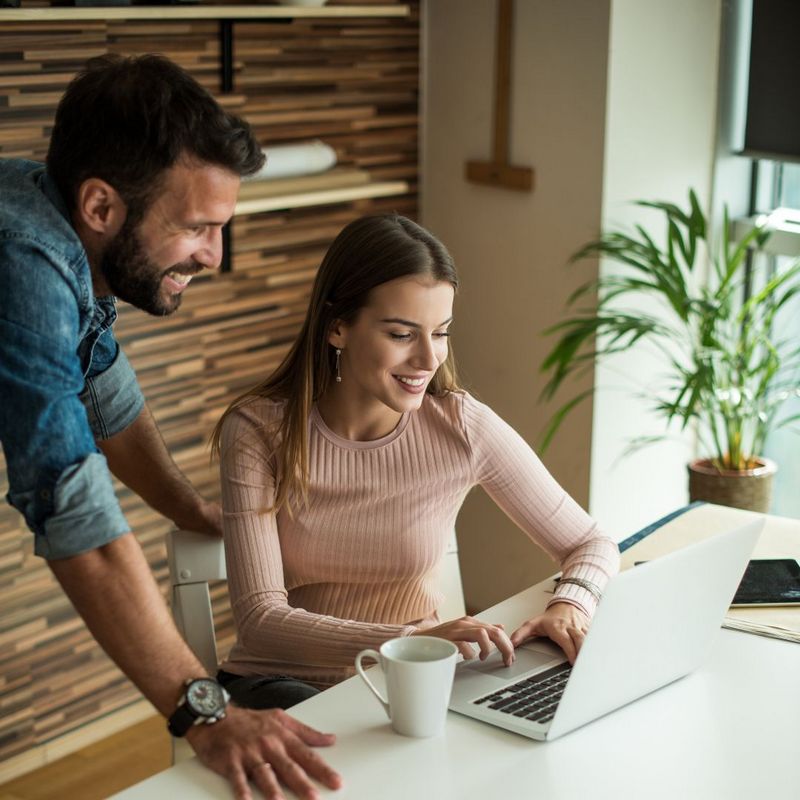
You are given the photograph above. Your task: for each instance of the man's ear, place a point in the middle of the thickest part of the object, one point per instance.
(100, 208)
(337, 334)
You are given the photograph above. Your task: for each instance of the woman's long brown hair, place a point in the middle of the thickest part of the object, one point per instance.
(367, 253)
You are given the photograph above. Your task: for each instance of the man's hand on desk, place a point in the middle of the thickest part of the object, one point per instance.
(564, 623)
(265, 747)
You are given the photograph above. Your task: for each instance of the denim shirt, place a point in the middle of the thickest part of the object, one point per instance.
(64, 382)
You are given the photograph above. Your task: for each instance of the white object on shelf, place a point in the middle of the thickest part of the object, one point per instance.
(293, 160)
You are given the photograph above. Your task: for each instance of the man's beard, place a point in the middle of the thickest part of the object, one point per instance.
(132, 277)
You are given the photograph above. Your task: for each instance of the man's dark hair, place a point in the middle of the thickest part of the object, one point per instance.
(126, 120)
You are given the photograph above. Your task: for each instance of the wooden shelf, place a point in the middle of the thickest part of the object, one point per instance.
(338, 186)
(61, 14)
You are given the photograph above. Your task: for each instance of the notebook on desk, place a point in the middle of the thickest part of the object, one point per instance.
(655, 624)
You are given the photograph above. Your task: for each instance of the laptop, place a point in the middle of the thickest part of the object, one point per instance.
(655, 623)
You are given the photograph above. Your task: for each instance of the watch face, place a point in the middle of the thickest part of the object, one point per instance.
(205, 697)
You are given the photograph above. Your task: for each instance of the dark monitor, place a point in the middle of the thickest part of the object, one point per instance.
(772, 128)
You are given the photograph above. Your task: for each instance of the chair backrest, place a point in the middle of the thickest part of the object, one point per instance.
(195, 559)
(450, 583)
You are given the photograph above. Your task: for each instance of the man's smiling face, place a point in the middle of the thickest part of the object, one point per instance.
(149, 264)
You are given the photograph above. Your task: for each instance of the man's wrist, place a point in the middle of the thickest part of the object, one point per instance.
(201, 516)
(203, 701)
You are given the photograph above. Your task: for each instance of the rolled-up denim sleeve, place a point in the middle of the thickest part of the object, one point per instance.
(112, 398)
(57, 477)
(85, 513)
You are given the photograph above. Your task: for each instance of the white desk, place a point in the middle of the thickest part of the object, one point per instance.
(729, 731)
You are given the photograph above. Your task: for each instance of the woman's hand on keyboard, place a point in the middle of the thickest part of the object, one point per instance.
(564, 623)
(464, 630)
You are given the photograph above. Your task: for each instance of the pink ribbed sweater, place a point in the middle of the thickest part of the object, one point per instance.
(357, 565)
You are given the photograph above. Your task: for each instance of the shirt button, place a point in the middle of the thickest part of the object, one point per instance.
(44, 494)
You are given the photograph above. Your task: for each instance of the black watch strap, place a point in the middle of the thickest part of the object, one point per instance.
(181, 720)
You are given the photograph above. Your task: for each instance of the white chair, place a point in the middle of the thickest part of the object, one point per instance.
(194, 559)
(450, 583)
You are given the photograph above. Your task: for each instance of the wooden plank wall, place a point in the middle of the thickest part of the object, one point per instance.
(352, 83)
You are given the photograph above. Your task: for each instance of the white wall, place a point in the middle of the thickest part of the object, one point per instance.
(613, 100)
(511, 247)
(660, 139)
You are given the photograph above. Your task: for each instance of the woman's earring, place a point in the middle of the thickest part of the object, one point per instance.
(338, 374)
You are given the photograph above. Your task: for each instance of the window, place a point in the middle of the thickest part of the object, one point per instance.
(784, 445)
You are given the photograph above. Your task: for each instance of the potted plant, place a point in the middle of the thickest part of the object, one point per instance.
(728, 373)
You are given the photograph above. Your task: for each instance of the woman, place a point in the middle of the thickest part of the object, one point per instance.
(343, 473)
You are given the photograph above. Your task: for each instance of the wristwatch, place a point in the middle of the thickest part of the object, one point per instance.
(203, 701)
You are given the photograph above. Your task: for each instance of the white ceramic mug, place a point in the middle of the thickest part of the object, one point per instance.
(419, 677)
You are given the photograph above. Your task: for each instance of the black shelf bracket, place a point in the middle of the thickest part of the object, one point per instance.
(226, 55)
(226, 87)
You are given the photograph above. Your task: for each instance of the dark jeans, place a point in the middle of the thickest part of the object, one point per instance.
(266, 691)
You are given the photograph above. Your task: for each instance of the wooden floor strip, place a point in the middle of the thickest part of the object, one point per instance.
(98, 770)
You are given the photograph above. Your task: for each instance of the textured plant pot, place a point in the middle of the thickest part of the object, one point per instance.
(749, 489)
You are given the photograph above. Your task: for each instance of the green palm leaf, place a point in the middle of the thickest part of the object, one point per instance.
(726, 372)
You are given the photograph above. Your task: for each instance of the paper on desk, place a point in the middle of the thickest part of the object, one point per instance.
(773, 631)
(781, 622)
(780, 539)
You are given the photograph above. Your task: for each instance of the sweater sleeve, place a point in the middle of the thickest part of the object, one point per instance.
(516, 479)
(267, 625)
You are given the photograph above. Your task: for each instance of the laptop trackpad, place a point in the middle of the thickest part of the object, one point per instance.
(528, 658)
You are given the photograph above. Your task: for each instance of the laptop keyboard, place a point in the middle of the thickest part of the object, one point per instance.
(533, 698)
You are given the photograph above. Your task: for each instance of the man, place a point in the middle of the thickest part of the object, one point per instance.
(142, 172)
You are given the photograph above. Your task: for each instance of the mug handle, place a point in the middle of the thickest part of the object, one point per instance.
(374, 654)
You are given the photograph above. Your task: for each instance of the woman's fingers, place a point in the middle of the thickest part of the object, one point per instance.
(577, 635)
(525, 631)
(483, 641)
(564, 624)
(500, 639)
(485, 635)
(466, 650)
(562, 637)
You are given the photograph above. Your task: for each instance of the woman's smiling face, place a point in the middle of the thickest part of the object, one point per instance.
(393, 348)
